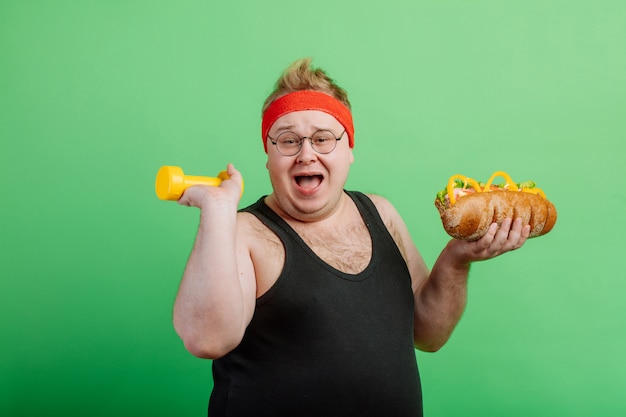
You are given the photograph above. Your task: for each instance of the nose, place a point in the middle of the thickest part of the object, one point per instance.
(307, 154)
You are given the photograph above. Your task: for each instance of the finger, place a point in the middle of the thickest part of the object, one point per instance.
(514, 235)
(490, 235)
(234, 174)
(483, 244)
(188, 196)
(523, 236)
(195, 194)
(184, 200)
(481, 248)
(502, 234)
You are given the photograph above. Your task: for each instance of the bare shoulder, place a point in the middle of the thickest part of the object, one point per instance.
(264, 248)
(387, 211)
(392, 220)
(252, 231)
(401, 235)
(249, 223)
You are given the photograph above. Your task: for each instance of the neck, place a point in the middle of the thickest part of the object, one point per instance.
(291, 214)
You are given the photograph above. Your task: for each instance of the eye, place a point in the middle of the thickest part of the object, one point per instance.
(323, 137)
(321, 140)
(288, 139)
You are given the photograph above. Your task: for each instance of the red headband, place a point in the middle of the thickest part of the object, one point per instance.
(307, 100)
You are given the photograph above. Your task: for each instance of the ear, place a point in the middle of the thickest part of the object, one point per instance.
(351, 156)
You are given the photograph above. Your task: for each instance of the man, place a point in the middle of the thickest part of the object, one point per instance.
(312, 300)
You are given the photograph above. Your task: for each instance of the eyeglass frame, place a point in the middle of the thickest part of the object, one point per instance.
(310, 138)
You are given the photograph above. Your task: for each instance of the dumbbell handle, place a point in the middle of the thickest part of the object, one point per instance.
(171, 182)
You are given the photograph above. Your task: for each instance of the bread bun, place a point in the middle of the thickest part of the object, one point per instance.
(471, 215)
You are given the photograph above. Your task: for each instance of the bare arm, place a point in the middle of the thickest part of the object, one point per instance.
(440, 300)
(216, 298)
(441, 295)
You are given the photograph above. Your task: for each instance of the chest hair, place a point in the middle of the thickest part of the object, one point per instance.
(347, 248)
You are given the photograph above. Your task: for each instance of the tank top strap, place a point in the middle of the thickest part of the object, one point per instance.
(272, 220)
(372, 218)
(277, 224)
(364, 204)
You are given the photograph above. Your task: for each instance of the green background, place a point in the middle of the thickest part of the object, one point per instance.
(96, 95)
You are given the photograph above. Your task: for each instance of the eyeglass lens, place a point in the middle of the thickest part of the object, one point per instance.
(289, 143)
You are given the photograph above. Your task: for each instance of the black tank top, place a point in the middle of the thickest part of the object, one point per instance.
(323, 342)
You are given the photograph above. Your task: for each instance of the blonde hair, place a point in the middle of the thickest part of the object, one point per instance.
(300, 75)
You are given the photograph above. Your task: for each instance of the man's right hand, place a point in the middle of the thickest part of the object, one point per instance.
(228, 190)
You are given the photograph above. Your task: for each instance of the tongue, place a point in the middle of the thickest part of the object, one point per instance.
(309, 182)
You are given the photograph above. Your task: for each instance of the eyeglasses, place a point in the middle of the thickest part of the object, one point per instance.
(289, 143)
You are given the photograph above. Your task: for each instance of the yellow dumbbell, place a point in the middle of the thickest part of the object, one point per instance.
(171, 182)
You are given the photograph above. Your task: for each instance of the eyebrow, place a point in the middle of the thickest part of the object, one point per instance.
(291, 128)
(283, 128)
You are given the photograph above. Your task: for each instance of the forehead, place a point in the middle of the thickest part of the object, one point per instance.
(305, 120)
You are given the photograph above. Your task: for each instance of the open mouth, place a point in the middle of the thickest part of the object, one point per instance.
(308, 182)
